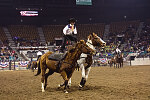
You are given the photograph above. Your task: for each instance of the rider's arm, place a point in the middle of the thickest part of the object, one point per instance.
(75, 30)
(65, 30)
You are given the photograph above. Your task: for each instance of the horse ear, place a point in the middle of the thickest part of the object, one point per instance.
(82, 41)
(93, 34)
(77, 42)
(90, 37)
(72, 50)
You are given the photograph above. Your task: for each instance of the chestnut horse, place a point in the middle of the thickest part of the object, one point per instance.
(34, 64)
(117, 61)
(66, 66)
(85, 60)
(112, 61)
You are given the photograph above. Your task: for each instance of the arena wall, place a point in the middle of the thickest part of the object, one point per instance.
(19, 65)
(141, 61)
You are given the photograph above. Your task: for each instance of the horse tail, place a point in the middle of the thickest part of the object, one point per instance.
(39, 69)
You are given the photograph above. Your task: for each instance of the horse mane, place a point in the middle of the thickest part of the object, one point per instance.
(72, 51)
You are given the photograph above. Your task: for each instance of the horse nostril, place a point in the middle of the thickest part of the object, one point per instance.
(104, 44)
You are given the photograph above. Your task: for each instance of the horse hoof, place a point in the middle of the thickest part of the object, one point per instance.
(69, 85)
(43, 90)
(80, 86)
(66, 91)
(59, 86)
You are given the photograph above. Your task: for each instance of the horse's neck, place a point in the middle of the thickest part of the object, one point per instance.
(74, 56)
(89, 43)
(119, 56)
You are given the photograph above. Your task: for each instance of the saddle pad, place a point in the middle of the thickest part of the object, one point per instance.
(57, 56)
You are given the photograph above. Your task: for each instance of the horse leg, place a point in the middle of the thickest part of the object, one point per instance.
(114, 65)
(110, 64)
(69, 82)
(69, 77)
(32, 67)
(46, 76)
(86, 75)
(42, 80)
(120, 64)
(62, 84)
(83, 76)
(43, 70)
(64, 75)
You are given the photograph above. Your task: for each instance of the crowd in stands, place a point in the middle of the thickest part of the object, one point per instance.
(55, 31)
(7, 54)
(23, 42)
(24, 35)
(123, 30)
(122, 34)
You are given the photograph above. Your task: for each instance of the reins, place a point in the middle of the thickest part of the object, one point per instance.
(71, 64)
(78, 50)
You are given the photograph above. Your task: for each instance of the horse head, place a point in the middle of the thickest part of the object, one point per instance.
(96, 40)
(120, 55)
(33, 65)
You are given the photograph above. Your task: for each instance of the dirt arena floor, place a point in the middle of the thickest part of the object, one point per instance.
(104, 83)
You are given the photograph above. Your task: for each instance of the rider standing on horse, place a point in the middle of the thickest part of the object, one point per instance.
(70, 33)
(118, 51)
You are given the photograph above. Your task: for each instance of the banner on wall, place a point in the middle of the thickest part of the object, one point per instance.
(103, 60)
(23, 63)
(4, 64)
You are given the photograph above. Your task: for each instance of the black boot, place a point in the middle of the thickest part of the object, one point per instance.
(83, 81)
(62, 49)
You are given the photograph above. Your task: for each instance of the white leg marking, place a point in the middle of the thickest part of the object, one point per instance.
(69, 82)
(87, 72)
(80, 86)
(43, 87)
(65, 91)
(59, 86)
(82, 70)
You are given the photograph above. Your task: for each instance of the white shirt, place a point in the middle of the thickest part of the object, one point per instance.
(68, 31)
(39, 53)
(118, 50)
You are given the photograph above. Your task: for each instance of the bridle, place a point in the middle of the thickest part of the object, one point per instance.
(78, 49)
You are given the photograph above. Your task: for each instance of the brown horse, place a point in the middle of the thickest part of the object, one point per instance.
(119, 60)
(34, 64)
(112, 61)
(66, 66)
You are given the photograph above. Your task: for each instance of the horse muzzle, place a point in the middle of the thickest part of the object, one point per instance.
(104, 44)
